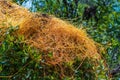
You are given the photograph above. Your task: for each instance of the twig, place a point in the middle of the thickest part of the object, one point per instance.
(5, 76)
(115, 70)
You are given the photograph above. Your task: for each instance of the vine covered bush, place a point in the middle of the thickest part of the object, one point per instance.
(22, 59)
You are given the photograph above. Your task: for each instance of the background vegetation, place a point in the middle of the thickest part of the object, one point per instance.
(104, 31)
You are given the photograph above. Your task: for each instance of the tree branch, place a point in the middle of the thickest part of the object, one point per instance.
(115, 70)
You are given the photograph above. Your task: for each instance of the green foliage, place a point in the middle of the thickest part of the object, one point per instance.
(19, 61)
(16, 55)
(105, 31)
